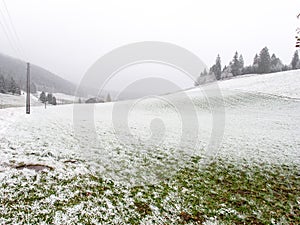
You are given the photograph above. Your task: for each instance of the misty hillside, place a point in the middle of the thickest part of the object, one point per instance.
(43, 79)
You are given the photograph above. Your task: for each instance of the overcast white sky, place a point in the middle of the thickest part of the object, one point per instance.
(66, 37)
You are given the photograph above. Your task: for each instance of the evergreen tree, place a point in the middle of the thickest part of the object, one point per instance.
(53, 101)
(276, 64)
(241, 61)
(255, 63)
(241, 64)
(273, 62)
(212, 69)
(201, 78)
(218, 68)
(286, 68)
(295, 61)
(43, 98)
(204, 73)
(235, 65)
(248, 70)
(273, 58)
(2, 84)
(226, 73)
(12, 86)
(264, 64)
(49, 98)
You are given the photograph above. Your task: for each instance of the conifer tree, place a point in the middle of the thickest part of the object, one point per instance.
(12, 86)
(43, 98)
(255, 63)
(241, 62)
(218, 68)
(235, 65)
(2, 84)
(53, 101)
(295, 61)
(264, 64)
(49, 98)
(204, 73)
(276, 64)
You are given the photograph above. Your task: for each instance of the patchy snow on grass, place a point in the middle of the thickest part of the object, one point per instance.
(262, 123)
(258, 128)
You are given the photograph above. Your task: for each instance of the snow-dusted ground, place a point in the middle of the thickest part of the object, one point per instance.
(262, 119)
(262, 123)
(63, 98)
(7, 100)
(283, 84)
(158, 137)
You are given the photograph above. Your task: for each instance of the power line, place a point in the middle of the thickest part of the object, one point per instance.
(8, 39)
(8, 33)
(13, 27)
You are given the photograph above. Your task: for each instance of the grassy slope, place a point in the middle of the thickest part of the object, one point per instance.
(222, 191)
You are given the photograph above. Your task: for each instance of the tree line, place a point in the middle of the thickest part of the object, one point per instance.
(9, 86)
(49, 98)
(262, 63)
(97, 99)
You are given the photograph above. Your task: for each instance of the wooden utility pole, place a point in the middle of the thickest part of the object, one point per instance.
(28, 90)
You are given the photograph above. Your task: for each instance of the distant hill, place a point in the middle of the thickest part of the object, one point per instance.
(43, 79)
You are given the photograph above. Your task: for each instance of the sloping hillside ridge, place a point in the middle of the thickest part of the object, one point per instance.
(42, 78)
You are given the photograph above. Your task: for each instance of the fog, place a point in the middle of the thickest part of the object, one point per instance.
(67, 37)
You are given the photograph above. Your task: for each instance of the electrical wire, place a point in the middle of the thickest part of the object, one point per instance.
(8, 38)
(11, 37)
(13, 28)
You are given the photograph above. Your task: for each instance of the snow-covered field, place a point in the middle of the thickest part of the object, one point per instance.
(262, 119)
(262, 126)
(7, 100)
(283, 84)
(63, 98)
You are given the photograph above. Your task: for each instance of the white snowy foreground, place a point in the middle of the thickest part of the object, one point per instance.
(262, 125)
